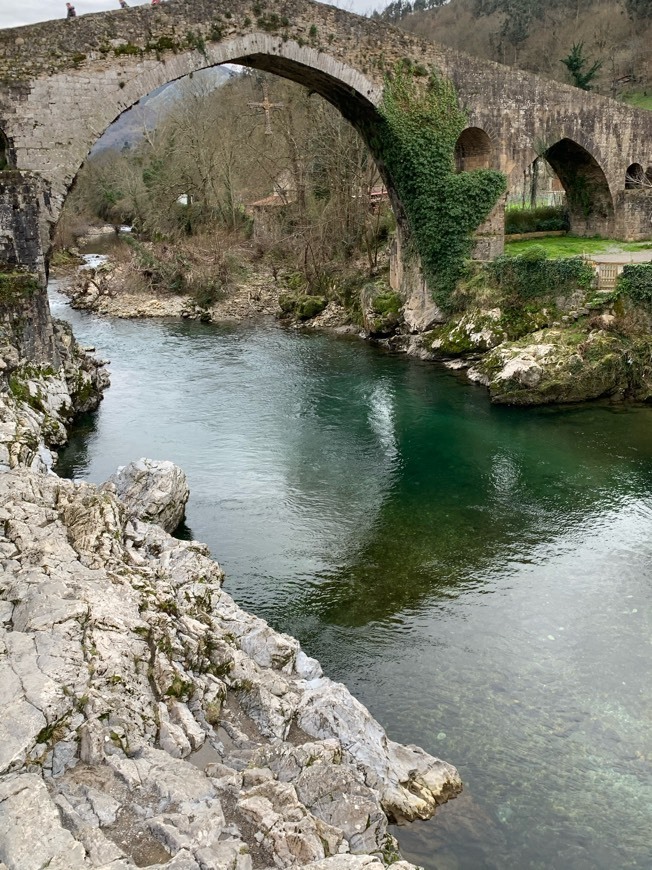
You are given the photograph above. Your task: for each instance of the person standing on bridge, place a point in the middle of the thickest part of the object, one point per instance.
(71, 11)
(123, 4)
(156, 2)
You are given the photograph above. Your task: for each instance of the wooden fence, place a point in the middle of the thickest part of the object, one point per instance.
(607, 275)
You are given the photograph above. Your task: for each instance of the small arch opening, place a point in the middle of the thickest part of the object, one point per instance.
(473, 150)
(635, 177)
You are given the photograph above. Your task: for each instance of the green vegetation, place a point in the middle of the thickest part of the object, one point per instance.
(62, 259)
(533, 274)
(573, 246)
(126, 49)
(301, 305)
(387, 302)
(422, 122)
(385, 308)
(196, 41)
(635, 281)
(17, 285)
(53, 732)
(180, 688)
(544, 218)
(638, 99)
(19, 391)
(164, 43)
(577, 65)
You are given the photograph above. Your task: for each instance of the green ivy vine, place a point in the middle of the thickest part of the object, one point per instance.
(636, 282)
(420, 124)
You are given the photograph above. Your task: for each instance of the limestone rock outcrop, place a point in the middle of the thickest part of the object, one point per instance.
(147, 717)
(155, 491)
(566, 365)
(147, 720)
(38, 402)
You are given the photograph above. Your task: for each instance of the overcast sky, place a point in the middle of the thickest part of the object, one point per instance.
(13, 13)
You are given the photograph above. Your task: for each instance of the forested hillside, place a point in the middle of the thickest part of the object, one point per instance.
(538, 34)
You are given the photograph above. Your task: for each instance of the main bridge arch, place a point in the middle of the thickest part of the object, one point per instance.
(62, 83)
(82, 106)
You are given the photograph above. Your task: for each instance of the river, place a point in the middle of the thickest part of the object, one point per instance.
(480, 577)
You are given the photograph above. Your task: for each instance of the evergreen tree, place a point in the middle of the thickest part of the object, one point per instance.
(576, 64)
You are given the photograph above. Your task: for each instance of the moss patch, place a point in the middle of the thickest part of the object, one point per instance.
(301, 306)
(16, 286)
(570, 365)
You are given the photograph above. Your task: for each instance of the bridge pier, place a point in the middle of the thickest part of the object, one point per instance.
(25, 320)
(489, 238)
(633, 215)
(22, 203)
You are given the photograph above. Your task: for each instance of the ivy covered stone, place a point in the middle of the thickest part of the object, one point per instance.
(534, 275)
(635, 282)
(421, 122)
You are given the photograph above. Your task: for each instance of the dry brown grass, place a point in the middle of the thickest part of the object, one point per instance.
(602, 25)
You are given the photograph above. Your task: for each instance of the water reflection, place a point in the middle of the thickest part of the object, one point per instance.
(479, 576)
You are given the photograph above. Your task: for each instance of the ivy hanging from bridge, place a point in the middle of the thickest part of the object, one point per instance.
(421, 122)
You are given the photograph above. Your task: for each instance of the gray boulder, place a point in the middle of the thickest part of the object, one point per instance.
(153, 490)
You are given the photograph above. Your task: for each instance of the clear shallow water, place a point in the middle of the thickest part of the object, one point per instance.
(480, 577)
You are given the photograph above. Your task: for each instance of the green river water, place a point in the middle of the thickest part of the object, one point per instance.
(480, 577)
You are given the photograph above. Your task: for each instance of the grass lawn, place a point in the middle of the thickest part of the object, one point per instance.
(574, 246)
(638, 99)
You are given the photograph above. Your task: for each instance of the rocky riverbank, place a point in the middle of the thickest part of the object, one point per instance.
(38, 400)
(599, 352)
(570, 343)
(114, 289)
(147, 719)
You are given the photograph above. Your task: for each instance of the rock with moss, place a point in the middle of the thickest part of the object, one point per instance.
(567, 365)
(38, 401)
(301, 306)
(381, 309)
(480, 330)
(474, 332)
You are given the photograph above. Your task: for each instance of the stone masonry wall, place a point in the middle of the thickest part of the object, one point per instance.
(21, 201)
(25, 323)
(63, 82)
(634, 210)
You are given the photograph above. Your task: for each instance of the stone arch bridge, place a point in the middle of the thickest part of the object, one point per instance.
(62, 83)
